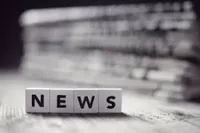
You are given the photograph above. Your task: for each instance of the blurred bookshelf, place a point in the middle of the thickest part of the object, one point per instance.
(149, 48)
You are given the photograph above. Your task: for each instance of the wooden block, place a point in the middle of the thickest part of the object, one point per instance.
(37, 100)
(61, 100)
(110, 100)
(85, 100)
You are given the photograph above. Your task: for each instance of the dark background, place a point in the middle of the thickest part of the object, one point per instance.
(11, 46)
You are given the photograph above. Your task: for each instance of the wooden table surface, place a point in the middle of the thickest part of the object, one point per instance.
(141, 114)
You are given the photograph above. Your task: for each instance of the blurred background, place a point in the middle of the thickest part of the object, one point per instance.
(151, 47)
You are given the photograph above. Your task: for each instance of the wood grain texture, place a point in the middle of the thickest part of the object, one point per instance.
(140, 113)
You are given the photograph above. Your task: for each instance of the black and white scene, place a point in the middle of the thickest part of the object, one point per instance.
(100, 66)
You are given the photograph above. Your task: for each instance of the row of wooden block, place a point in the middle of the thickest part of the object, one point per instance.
(73, 100)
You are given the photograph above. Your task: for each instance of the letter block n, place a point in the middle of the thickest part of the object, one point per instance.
(37, 100)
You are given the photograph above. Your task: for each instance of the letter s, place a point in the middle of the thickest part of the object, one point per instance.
(111, 102)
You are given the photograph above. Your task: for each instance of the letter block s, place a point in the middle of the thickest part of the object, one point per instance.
(110, 100)
(37, 100)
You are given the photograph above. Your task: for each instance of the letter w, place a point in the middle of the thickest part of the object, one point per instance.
(86, 99)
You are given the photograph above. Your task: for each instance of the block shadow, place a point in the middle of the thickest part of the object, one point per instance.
(92, 116)
(76, 115)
